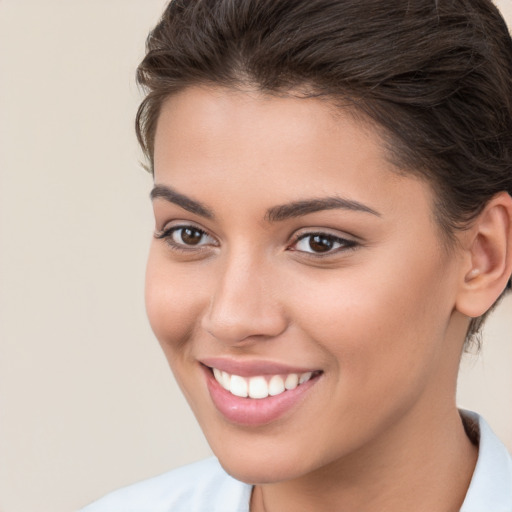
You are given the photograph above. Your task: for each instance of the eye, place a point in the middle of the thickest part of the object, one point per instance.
(321, 243)
(186, 237)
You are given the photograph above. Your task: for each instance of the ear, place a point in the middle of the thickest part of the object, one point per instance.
(488, 257)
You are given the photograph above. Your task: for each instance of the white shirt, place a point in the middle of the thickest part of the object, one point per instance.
(206, 487)
(490, 489)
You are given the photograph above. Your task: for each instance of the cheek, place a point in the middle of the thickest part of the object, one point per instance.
(379, 325)
(173, 303)
(381, 345)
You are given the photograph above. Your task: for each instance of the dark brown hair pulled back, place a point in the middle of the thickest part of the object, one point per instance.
(435, 75)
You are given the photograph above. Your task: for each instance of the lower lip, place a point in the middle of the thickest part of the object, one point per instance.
(253, 411)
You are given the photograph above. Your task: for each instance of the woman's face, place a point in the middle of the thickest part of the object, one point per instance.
(288, 248)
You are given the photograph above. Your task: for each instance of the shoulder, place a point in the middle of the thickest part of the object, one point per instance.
(197, 487)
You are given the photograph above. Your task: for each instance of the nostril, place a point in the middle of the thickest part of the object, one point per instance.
(243, 329)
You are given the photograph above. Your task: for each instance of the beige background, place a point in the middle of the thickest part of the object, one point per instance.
(86, 400)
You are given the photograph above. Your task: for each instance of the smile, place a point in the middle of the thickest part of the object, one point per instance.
(259, 387)
(257, 393)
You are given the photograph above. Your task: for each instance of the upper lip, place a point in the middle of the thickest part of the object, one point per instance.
(252, 368)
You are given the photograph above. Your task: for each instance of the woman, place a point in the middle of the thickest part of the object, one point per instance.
(333, 221)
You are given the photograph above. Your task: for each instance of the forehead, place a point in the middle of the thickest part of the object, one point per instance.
(212, 118)
(278, 148)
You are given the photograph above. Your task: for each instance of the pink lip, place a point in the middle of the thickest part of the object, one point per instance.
(252, 368)
(255, 412)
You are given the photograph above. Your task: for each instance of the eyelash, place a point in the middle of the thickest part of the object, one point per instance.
(167, 236)
(345, 244)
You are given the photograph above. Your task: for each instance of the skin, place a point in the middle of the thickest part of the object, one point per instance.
(379, 430)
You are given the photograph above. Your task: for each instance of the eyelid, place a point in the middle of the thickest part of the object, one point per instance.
(349, 242)
(325, 231)
(179, 223)
(166, 234)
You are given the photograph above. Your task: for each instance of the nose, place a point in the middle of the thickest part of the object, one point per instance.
(244, 306)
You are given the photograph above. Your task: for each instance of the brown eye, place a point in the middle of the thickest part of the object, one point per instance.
(322, 243)
(319, 243)
(188, 236)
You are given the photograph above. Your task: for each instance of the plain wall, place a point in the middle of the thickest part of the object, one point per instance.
(87, 403)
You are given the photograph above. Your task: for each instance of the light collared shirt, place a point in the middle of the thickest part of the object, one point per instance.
(206, 487)
(491, 485)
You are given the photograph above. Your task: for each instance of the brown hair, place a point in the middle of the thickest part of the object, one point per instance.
(435, 75)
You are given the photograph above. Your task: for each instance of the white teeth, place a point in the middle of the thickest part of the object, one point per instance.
(226, 380)
(238, 386)
(259, 387)
(304, 377)
(292, 381)
(218, 375)
(275, 386)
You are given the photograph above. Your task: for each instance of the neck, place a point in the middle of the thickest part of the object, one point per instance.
(427, 470)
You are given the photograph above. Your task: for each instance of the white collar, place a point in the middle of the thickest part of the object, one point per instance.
(491, 485)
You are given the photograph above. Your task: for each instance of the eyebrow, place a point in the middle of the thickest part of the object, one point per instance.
(306, 206)
(274, 214)
(170, 195)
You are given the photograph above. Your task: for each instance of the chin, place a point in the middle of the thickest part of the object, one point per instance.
(255, 463)
(260, 472)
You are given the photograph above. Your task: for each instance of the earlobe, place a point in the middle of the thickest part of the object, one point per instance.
(489, 257)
